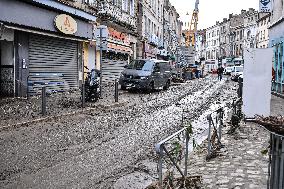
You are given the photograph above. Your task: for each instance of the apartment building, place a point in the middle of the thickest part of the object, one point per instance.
(262, 37)
(276, 36)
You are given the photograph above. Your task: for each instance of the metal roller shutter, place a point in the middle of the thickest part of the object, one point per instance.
(53, 62)
(111, 69)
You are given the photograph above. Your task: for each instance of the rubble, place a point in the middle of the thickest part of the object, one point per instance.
(101, 146)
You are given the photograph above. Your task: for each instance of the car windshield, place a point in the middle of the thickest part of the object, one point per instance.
(239, 69)
(141, 65)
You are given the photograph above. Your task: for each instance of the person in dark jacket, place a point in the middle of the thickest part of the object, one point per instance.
(220, 71)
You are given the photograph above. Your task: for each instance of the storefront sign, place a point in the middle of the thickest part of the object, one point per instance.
(118, 36)
(66, 24)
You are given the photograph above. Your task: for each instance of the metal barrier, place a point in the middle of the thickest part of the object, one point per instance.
(276, 162)
(174, 155)
(237, 115)
(215, 120)
(116, 90)
(43, 100)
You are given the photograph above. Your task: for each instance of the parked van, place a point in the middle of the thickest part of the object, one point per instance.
(146, 74)
(236, 72)
(228, 70)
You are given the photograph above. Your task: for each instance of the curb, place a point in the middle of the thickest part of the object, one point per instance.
(278, 94)
(48, 118)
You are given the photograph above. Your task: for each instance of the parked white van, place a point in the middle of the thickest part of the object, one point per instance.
(236, 72)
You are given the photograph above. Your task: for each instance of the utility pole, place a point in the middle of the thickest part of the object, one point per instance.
(101, 62)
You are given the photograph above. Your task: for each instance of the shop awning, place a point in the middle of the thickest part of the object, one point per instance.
(43, 33)
(71, 10)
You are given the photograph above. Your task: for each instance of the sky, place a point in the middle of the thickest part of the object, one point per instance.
(211, 11)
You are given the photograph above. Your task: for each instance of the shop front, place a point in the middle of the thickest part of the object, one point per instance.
(117, 55)
(42, 51)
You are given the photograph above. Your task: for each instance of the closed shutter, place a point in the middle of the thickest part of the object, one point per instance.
(53, 62)
(111, 69)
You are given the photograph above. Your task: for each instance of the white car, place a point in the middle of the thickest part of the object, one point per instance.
(228, 70)
(236, 72)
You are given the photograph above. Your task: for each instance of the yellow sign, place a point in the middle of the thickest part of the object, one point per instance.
(66, 24)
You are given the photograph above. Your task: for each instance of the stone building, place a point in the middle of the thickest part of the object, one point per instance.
(276, 36)
(213, 42)
(237, 37)
(224, 38)
(200, 46)
(262, 37)
(119, 19)
(41, 43)
(150, 28)
(172, 32)
(212, 47)
(250, 28)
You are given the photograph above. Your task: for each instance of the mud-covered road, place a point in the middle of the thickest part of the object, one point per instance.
(97, 148)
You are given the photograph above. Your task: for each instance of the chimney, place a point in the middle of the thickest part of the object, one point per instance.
(225, 19)
(230, 16)
(251, 10)
(243, 11)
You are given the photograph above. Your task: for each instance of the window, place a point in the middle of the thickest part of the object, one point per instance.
(90, 2)
(263, 34)
(125, 5)
(145, 24)
(131, 7)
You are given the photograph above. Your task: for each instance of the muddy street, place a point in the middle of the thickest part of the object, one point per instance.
(96, 148)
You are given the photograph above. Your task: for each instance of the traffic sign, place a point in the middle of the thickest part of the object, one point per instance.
(265, 6)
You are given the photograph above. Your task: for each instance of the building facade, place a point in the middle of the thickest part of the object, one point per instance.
(224, 38)
(213, 42)
(200, 47)
(250, 28)
(262, 36)
(150, 24)
(42, 51)
(276, 36)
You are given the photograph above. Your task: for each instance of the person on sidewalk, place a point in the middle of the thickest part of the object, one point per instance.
(220, 71)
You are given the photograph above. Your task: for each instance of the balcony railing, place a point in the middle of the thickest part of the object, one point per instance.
(107, 10)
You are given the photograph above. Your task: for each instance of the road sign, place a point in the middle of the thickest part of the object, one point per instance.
(104, 32)
(101, 35)
(264, 5)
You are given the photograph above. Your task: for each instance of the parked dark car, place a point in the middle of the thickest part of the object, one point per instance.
(146, 74)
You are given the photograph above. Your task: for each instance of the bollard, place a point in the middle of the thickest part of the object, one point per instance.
(83, 95)
(43, 100)
(116, 90)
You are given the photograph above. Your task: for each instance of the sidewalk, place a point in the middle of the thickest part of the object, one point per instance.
(241, 163)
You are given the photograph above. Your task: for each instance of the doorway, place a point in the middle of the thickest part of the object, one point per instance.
(6, 69)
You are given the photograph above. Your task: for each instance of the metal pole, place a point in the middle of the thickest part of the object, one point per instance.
(281, 163)
(209, 133)
(116, 90)
(101, 62)
(83, 95)
(43, 100)
(186, 152)
(160, 168)
(28, 87)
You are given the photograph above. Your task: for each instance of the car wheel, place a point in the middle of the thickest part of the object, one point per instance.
(123, 87)
(151, 87)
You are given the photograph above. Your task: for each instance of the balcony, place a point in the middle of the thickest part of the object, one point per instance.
(152, 39)
(108, 11)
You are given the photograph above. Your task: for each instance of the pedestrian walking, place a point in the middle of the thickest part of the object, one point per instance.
(220, 71)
